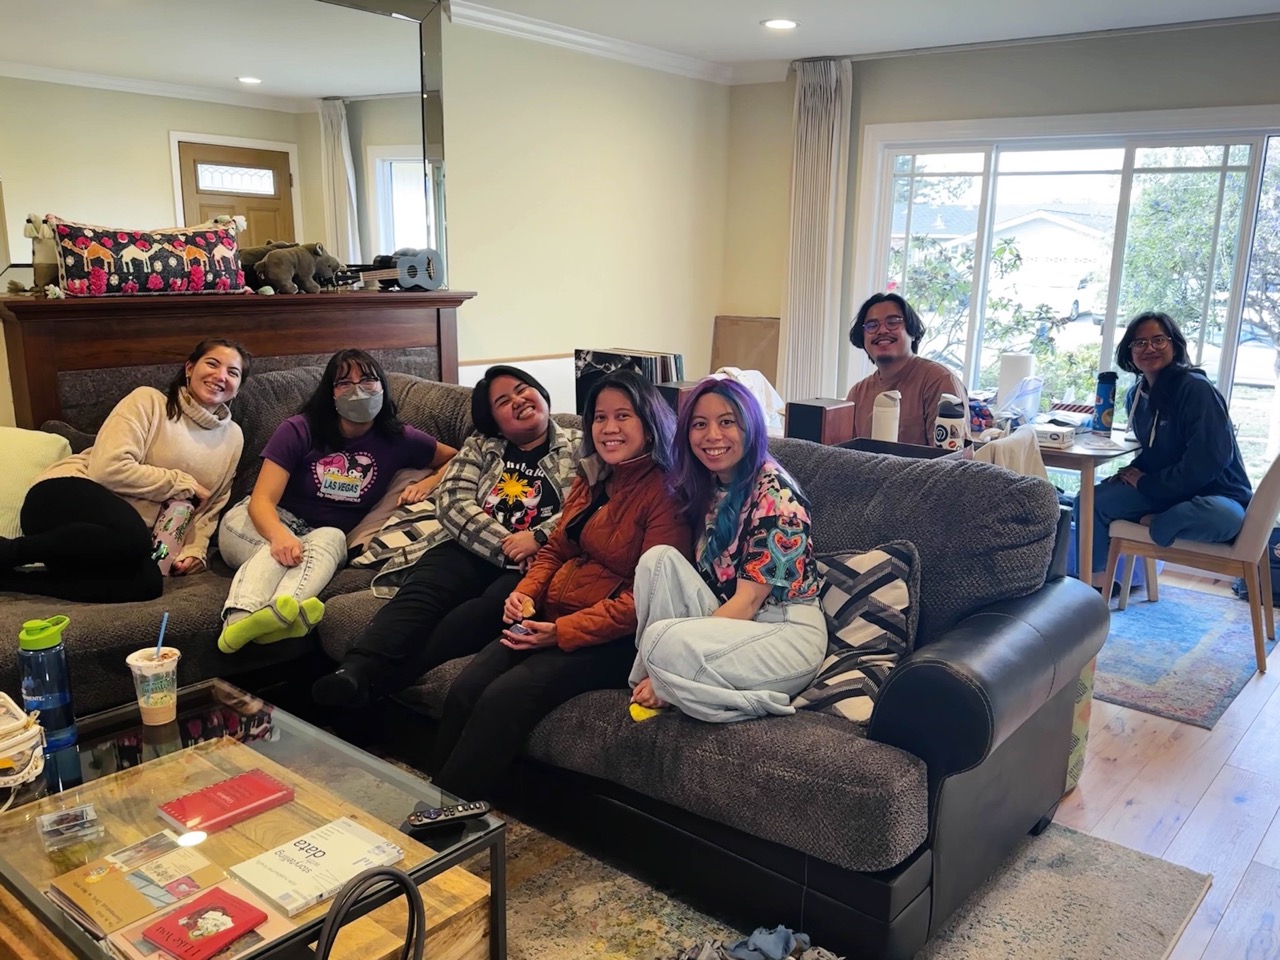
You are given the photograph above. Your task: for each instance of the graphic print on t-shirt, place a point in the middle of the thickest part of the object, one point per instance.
(345, 476)
(513, 501)
(523, 497)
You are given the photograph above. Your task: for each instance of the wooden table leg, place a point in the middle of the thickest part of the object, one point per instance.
(1084, 532)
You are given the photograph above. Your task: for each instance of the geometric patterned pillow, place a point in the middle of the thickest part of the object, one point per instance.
(869, 600)
(98, 261)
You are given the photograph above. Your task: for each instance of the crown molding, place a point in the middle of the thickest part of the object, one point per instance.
(154, 88)
(527, 28)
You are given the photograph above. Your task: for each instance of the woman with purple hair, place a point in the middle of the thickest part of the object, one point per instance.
(739, 632)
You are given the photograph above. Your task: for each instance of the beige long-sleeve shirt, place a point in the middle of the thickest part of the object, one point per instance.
(146, 458)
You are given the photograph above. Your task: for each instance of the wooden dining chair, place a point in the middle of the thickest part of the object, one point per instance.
(1246, 557)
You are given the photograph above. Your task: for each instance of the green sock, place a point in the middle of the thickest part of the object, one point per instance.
(282, 611)
(310, 612)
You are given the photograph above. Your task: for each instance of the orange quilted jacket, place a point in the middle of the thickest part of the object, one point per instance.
(585, 586)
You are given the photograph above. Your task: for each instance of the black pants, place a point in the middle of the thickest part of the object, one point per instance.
(94, 545)
(449, 606)
(500, 697)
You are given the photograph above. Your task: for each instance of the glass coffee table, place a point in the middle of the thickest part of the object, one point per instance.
(126, 770)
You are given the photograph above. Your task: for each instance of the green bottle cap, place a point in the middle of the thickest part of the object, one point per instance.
(42, 634)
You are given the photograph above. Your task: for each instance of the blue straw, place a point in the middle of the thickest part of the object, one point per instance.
(164, 622)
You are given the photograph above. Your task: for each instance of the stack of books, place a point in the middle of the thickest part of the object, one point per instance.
(591, 365)
(161, 898)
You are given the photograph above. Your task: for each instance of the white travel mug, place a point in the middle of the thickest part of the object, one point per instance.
(884, 416)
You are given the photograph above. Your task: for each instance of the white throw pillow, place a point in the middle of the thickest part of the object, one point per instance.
(26, 454)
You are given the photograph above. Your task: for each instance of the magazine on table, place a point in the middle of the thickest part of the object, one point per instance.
(312, 868)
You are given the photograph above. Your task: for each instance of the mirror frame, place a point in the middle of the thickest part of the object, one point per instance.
(419, 11)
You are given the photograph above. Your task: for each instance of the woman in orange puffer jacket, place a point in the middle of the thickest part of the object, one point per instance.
(573, 615)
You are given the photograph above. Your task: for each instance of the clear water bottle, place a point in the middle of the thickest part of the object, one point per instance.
(46, 682)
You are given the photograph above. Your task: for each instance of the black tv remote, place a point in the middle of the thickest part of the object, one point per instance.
(421, 820)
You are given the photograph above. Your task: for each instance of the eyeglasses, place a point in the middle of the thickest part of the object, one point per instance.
(1159, 342)
(368, 385)
(888, 323)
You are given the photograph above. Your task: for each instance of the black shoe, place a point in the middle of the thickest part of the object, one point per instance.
(342, 688)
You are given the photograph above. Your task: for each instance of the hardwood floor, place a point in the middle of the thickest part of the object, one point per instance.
(1207, 799)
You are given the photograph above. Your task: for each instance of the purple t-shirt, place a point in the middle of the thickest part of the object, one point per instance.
(336, 489)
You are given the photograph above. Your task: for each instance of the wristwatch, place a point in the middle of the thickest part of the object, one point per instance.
(541, 537)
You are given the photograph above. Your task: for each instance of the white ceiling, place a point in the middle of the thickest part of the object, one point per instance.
(304, 49)
(729, 31)
(298, 48)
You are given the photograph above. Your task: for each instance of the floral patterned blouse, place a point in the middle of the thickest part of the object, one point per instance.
(773, 545)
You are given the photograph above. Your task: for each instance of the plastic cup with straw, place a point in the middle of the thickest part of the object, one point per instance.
(155, 679)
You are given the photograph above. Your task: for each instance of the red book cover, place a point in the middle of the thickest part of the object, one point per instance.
(226, 802)
(204, 926)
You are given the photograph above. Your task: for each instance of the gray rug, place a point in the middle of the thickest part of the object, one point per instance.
(1061, 895)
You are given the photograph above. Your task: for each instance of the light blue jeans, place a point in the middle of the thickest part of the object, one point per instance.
(716, 668)
(259, 577)
(1203, 519)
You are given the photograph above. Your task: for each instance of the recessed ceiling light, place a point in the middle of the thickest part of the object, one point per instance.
(248, 79)
(779, 24)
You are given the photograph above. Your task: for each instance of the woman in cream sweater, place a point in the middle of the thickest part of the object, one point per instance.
(89, 518)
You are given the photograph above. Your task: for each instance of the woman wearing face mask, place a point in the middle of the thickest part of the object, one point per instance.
(1188, 480)
(89, 518)
(573, 615)
(739, 632)
(322, 471)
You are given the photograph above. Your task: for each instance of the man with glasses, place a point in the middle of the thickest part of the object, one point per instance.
(890, 331)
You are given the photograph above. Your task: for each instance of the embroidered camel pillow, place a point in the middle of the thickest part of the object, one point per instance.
(103, 261)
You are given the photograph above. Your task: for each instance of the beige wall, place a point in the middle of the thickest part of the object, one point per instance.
(1202, 67)
(394, 121)
(586, 200)
(758, 202)
(103, 156)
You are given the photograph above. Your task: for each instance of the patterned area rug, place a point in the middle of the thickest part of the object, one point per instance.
(1063, 894)
(1185, 657)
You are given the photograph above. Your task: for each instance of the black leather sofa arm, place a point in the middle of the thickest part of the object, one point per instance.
(952, 702)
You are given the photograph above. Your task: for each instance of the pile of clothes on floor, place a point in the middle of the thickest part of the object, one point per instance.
(777, 944)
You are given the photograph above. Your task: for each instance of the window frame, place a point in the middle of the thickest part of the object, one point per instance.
(873, 192)
(378, 160)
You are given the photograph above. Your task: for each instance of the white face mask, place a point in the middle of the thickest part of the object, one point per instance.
(359, 406)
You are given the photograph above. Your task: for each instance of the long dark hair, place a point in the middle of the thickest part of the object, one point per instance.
(911, 321)
(1124, 351)
(655, 415)
(322, 414)
(171, 407)
(695, 484)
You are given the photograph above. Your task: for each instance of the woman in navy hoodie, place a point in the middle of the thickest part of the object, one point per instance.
(1188, 481)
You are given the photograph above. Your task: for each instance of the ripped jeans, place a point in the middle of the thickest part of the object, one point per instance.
(259, 577)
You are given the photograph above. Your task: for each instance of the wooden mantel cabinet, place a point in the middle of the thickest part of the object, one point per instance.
(47, 337)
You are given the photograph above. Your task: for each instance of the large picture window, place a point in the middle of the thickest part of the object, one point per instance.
(1050, 248)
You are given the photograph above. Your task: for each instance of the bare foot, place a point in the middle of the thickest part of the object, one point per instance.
(643, 694)
(1146, 521)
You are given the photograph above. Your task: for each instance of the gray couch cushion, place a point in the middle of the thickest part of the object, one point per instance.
(983, 534)
(100, 636)
(808, 781)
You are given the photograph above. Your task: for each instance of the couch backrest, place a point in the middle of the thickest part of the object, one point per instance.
(441, 409)
(983, 533)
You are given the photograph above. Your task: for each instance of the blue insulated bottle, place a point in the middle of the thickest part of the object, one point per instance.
(46, 683)
(1104, 403)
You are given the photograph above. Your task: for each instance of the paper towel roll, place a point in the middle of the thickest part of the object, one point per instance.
(1014, 367)
(884, 416)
